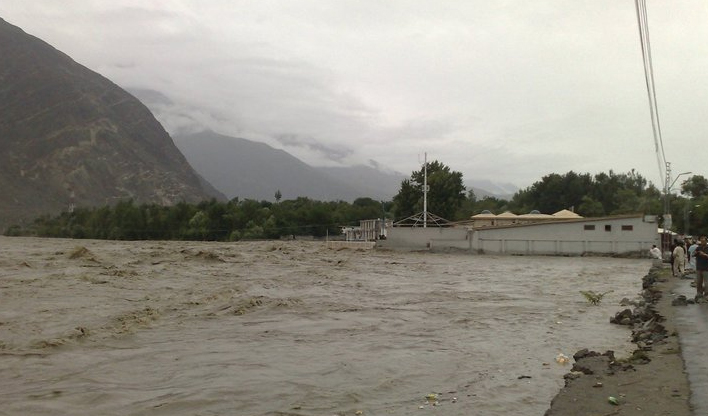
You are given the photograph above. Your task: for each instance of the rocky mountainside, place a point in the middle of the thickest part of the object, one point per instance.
(67, 134)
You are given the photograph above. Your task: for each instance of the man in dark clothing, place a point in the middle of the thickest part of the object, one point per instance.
(701, 254)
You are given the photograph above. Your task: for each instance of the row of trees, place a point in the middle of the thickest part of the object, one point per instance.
(615, 194)
(589, 195)
(208, 220)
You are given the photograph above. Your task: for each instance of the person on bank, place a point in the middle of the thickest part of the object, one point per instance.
(692, 255)
(701, 255)
(679, 260)
(655, 252)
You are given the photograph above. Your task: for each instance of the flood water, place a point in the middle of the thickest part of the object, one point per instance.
(293, 328)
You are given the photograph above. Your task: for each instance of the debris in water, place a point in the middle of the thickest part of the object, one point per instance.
(562, 359)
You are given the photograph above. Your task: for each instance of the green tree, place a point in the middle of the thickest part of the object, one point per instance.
(627, 202)
(553, 193)
(366, 208)
(695, 187)
(699, 216)
(467, 208)
(491, 204)
(590, 207)
(603, 194)
(408, 201)
(445, 196)
(199, 226)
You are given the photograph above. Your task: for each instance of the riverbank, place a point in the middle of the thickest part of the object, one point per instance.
(653, 381)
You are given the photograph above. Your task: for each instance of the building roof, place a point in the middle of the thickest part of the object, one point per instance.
(536, 216)
(484, 215)
(564, 213)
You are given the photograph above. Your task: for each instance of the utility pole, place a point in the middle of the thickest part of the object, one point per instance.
(425, 190)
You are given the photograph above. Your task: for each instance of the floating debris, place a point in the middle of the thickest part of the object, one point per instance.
(562, 359)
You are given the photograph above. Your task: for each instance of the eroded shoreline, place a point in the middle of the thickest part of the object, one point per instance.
(652, 381)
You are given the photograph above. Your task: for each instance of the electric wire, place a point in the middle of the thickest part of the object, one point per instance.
(649, 77)
(645, 42)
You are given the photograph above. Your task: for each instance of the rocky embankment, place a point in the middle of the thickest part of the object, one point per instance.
(651, 381)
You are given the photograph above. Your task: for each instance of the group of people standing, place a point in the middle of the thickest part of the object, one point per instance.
(696, 258)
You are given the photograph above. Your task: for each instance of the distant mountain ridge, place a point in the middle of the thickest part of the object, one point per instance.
(342, 182)
(253, 170)
(485, 187)
(69, 135)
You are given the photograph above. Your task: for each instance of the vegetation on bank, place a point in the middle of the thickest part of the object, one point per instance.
(209, 220)
(589, 195)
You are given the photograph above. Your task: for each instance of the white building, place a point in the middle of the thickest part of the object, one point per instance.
(617, 235)
(569, 236)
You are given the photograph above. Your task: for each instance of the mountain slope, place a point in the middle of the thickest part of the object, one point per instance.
(252, 170)
(67, 134)
(370, 182)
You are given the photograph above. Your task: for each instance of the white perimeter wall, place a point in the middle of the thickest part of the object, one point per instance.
(419, 238)
(569, 238)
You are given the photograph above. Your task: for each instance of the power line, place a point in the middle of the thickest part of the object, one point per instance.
(643, 24)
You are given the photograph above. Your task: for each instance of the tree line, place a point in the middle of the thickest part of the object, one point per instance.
(208, 220)
(602, 194)
(589, 195)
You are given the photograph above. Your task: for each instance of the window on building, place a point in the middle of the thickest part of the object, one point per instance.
(627, 227)
(589, 227)
(608, 227)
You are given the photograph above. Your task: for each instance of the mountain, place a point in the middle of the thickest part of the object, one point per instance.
(347, 183)
(486, 187)
(67, 134)
(370, 181)
(253, 170)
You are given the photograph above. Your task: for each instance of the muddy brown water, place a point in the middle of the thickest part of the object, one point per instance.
(293, 328)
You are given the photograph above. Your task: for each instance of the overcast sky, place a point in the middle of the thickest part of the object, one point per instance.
(507, 90)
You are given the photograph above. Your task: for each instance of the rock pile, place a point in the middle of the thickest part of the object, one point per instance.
(647, 331)
(644, 319)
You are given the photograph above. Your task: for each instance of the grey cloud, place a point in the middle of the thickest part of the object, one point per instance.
(329, 152)
(507, 89)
